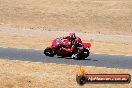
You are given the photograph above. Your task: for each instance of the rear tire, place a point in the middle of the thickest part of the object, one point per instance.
(48, 52)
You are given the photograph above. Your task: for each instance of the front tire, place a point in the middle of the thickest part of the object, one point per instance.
(86, 53)
(48, 52)
(83, 55)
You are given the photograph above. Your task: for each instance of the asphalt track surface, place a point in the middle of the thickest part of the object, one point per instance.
(99, 60)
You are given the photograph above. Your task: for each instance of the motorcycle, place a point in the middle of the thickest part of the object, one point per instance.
(56, 48)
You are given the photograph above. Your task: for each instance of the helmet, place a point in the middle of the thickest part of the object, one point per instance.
(72, 35)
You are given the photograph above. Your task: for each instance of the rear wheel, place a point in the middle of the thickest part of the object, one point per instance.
(49, 52)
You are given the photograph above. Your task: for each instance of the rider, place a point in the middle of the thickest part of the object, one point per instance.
(75, 41)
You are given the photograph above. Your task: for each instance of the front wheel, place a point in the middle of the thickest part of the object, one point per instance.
(48, 52)
(86, 53)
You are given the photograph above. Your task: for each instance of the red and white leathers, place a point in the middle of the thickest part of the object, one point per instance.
(76, 43)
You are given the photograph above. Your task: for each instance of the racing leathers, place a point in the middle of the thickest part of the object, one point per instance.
(76, 46)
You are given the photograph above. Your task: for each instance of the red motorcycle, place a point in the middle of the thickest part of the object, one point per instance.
(57, 49)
